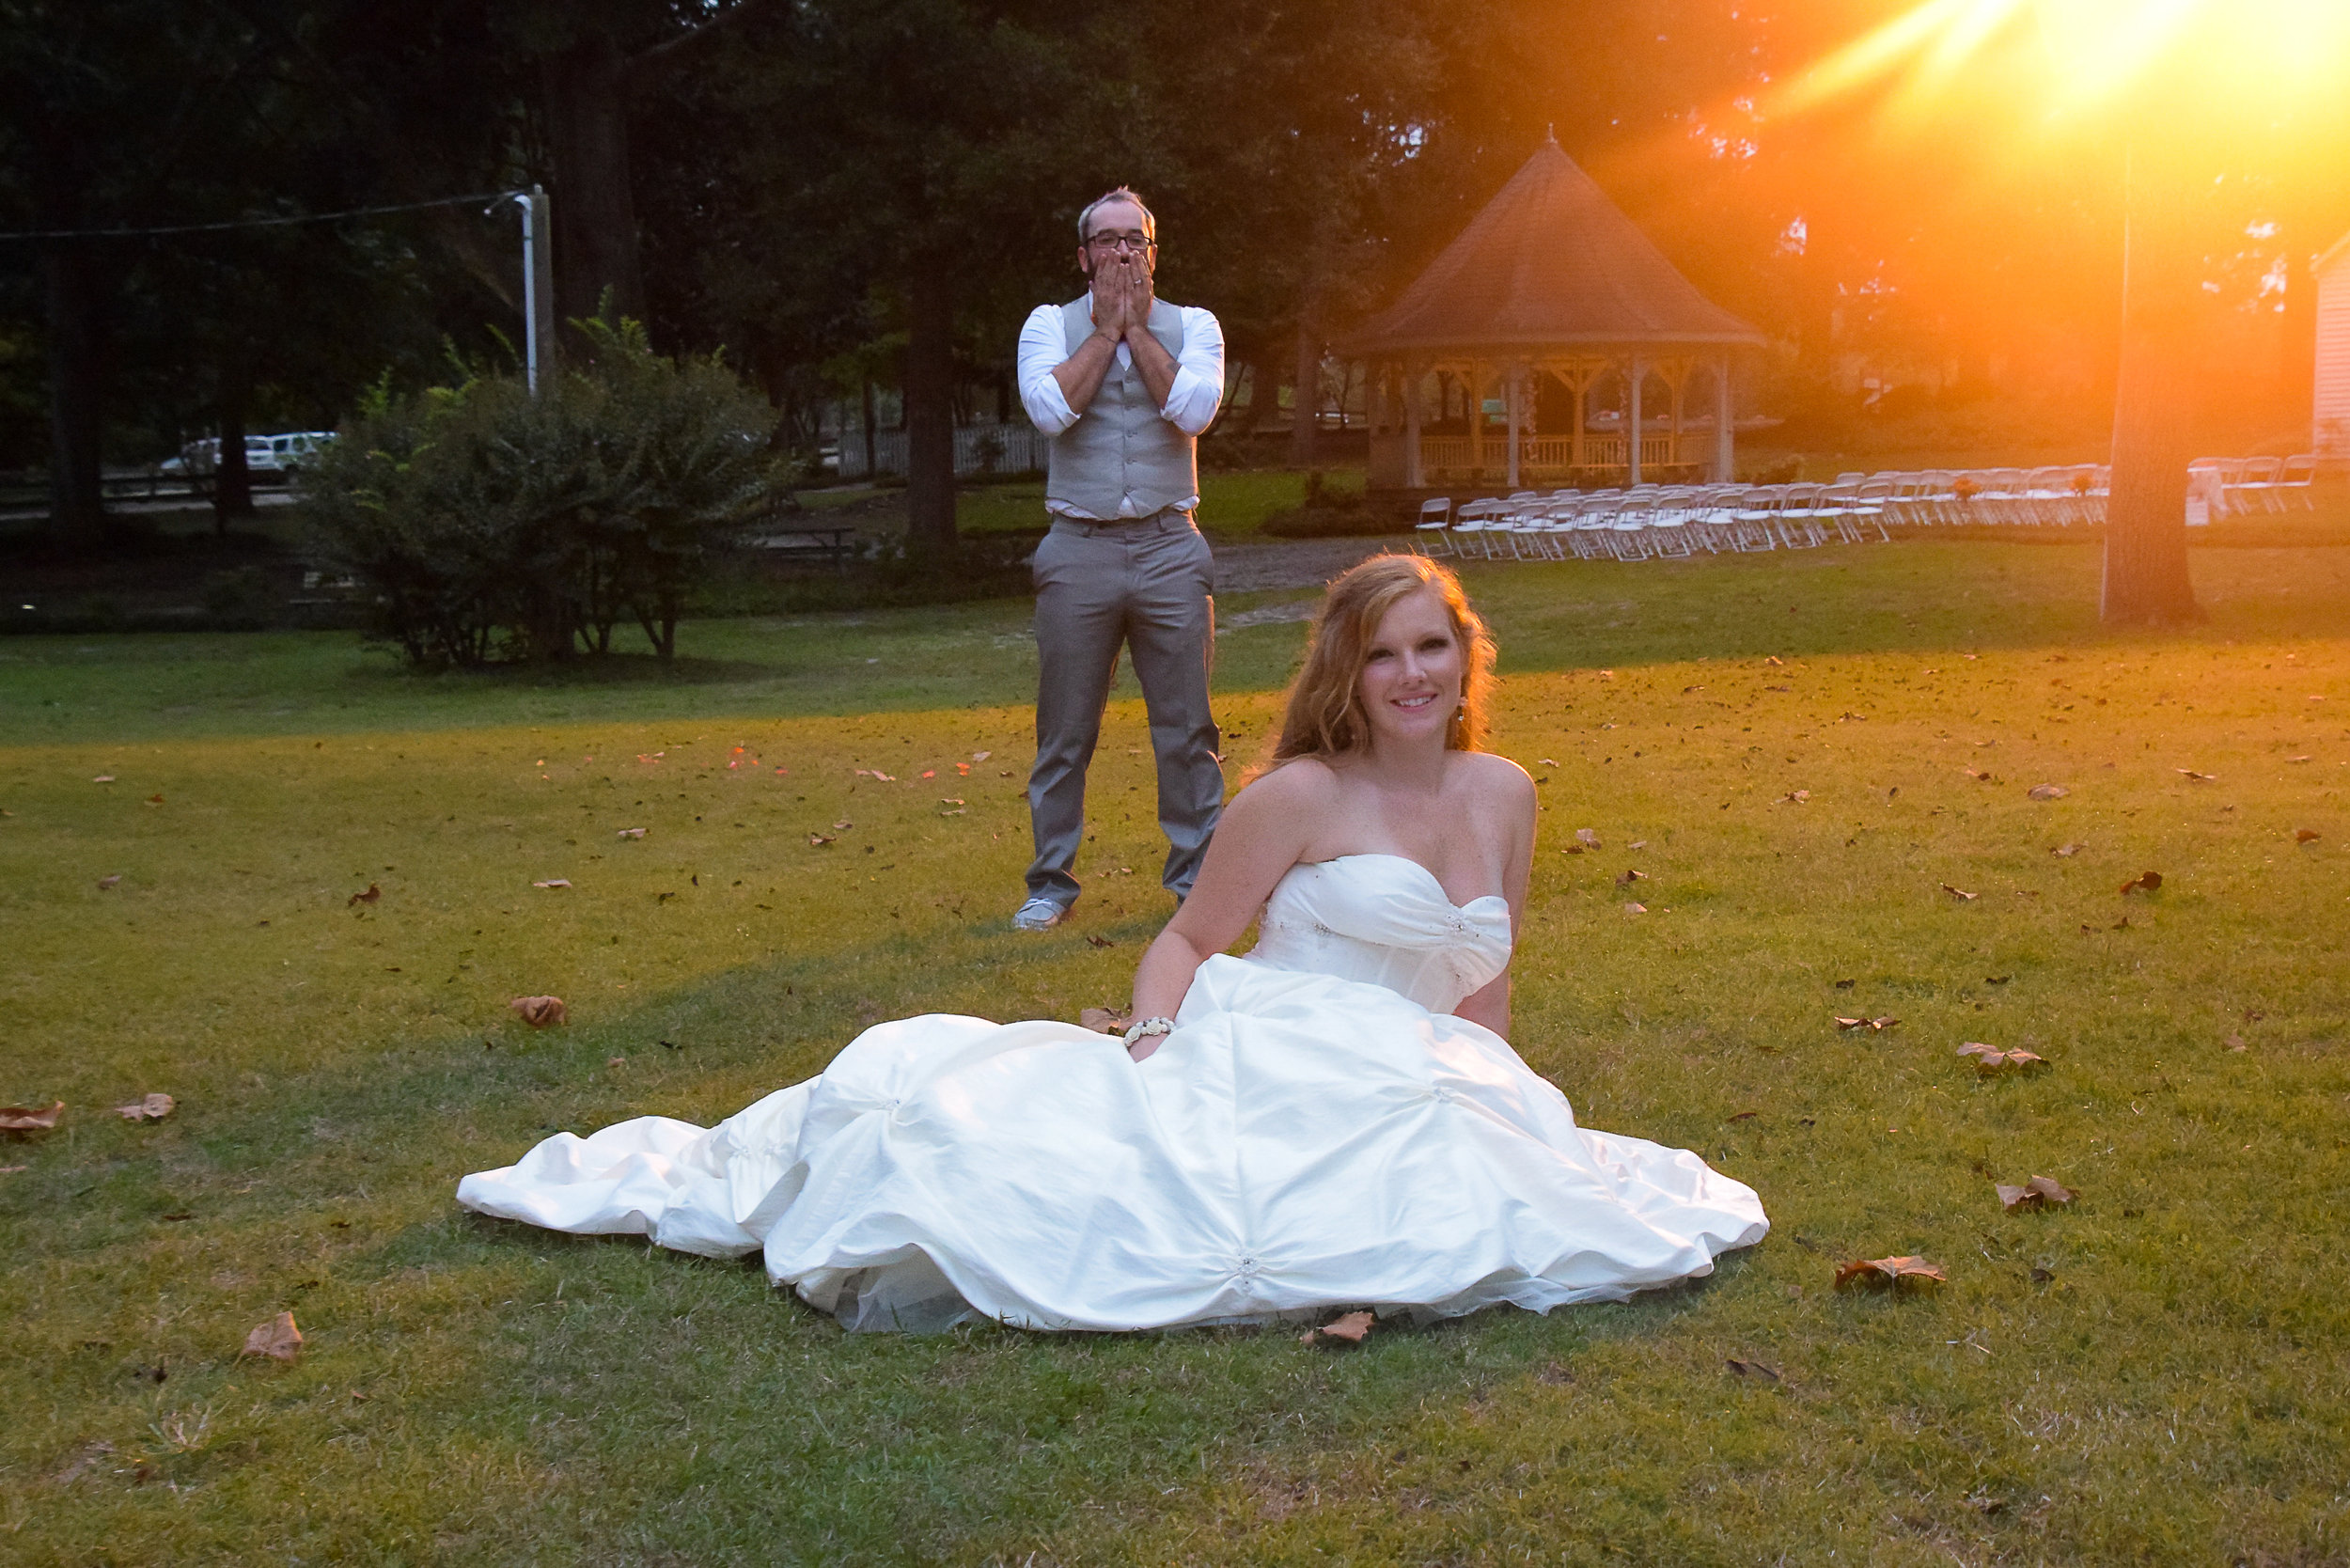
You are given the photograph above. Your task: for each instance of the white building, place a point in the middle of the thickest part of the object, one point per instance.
(2333, 403)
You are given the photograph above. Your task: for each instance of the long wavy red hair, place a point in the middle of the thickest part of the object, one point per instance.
(1324, 717)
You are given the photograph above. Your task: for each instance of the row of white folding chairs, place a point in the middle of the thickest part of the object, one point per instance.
(2056, 496)
(2270, 484)
(1648, 521)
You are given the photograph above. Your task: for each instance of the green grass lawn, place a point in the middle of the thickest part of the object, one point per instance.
(1794, 748)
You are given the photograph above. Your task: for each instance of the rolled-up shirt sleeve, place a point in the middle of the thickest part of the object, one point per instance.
(1198, 393)
(1043, 346)
(1192, 402)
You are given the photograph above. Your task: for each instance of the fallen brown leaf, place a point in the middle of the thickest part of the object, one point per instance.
(152, 1107)
(2235, 1042)
(1586, 838)
(1990, 1059)
(105, 882)
(2144, 881)
(1630, 877)
(1960, 893)
(1752, 1368)
(2047, 791)
(2039, 1192)
(1900, 1273)
(25, 1118)
(1638, 844)
(553, 882)
(818, 840)
(1635, 909)
(1105, 1019)
(2196, 777)
(1346, 1328)
(1742, 1116)
(539, 1012)
(1882, 1023)
(1571, 849)
(632, 833)
(2066, 852)
(2306, 836)
(1100, 942)
(842, 825)
(1850, 1023)
(1798, 797)
(277, 1339)
(372, 894)
(154, 800)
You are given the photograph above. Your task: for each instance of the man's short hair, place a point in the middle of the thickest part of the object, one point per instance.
(1085, 219)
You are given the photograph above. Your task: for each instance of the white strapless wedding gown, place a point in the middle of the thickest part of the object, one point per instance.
(1319, 1131)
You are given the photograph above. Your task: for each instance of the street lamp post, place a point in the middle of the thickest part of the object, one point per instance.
(538, 280)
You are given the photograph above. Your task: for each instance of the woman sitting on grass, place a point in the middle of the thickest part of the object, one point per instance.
(1335, 1120)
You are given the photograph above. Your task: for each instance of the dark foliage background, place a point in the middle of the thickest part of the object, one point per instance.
(849, 195)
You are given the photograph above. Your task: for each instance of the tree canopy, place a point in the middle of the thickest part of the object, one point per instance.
(842, 192)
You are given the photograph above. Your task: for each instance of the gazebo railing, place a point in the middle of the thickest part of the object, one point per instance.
(1537, 454)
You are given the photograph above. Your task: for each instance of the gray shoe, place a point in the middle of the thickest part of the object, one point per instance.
(1038, 914)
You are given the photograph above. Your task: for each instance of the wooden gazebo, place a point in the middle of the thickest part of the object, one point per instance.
(1552, 294)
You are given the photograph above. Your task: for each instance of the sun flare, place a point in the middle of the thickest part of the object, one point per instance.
(2079, 56)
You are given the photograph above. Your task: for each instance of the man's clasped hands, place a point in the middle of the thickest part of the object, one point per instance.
(1123, 295)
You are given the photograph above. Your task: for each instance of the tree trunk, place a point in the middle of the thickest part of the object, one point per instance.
(930, 415)
(1306, 399)
(595, 210)
(232, 477)
(2154, 406)
(77, 502)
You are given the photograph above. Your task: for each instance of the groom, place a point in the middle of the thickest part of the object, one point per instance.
(1125, 384)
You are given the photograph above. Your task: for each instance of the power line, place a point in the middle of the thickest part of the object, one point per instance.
(244, 222)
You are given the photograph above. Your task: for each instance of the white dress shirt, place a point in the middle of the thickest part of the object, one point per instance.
(1192, 402)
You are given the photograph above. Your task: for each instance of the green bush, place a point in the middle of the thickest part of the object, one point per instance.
(1330, 511)
(487, 523)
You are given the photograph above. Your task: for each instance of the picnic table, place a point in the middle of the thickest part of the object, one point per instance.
(833, 541)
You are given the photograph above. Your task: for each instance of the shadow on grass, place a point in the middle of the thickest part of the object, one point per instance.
(1923, 597)
(624, 671)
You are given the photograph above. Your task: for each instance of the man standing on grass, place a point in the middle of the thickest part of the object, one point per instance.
(1125, 384)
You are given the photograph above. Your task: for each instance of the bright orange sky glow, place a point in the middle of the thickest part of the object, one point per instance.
(2064, 59)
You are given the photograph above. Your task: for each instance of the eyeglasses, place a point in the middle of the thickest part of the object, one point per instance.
(1107, 242)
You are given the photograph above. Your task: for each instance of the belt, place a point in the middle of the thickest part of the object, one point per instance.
(1166, 520)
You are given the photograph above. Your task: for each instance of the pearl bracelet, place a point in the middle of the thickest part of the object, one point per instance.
(1142, 1026)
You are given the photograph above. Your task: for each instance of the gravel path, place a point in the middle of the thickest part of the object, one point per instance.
(1293, 562)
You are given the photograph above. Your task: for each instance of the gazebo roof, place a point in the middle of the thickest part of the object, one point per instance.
(1550, 263)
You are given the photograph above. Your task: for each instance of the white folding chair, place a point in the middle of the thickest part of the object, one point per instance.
(2297, 481)
(1473, 525)
(1433, 532)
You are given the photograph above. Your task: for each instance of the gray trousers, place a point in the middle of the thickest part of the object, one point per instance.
(1143, 583)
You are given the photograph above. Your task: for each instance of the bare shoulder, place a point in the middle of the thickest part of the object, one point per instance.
(1497, 778)
(1302, 784)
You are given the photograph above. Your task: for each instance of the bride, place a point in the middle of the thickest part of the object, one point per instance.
(1336, 1119)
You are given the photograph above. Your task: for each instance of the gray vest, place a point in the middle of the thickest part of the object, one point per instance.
(1121, 447)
